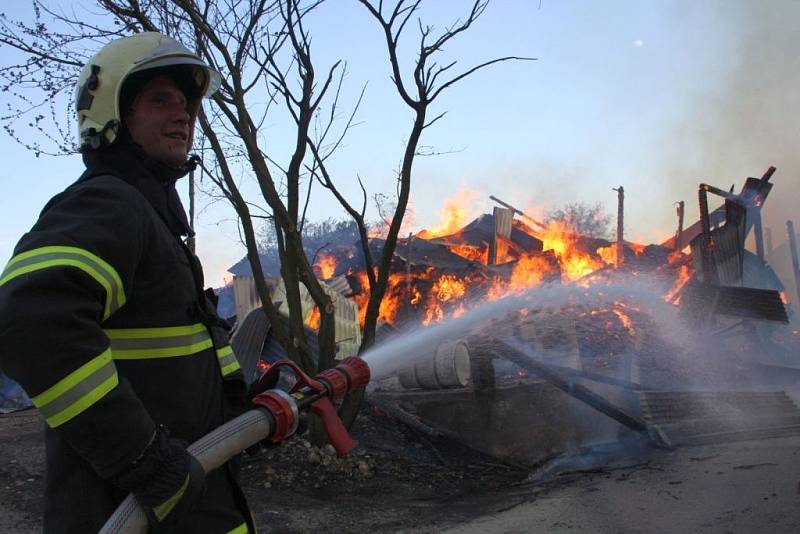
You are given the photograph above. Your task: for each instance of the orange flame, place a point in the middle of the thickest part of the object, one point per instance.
(447, 288)
(434, 295)
(625, 319)
(637, 248)
(313, 320)
(452, 216)
(397, 291)
(468, 252)
(326, 265)
(675, 256)
(529, 271)
(673, 295)
(574, 263)
(608, 254)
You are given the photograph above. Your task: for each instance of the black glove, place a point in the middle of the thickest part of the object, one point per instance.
(166, 480)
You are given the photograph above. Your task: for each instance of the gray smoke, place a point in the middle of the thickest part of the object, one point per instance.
(749, 118)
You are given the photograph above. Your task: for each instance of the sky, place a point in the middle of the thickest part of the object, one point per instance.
(655, 96)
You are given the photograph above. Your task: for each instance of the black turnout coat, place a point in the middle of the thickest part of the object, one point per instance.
(104, 322)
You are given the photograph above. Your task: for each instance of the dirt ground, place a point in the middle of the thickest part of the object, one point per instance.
(399, 481)
(395, 481)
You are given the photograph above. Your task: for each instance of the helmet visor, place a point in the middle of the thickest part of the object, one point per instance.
(207, 79)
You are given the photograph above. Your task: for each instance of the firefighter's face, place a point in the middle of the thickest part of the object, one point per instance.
(159, 122)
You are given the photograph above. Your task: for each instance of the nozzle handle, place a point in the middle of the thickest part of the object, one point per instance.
(333, 426)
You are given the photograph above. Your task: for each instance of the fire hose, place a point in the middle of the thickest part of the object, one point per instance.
(274, 417)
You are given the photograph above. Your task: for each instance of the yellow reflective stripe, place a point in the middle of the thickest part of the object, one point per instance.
(227, 360)
(241, 529)
(232, 368)
(160, 332)
(171, 352)
(60, 256)
(168, 342)
(163, 342)
(77, 391)
(162, 510)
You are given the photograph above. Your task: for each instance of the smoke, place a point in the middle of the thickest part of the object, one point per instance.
(754, 123)
(746, 119)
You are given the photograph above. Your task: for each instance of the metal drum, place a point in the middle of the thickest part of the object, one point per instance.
(447, 367)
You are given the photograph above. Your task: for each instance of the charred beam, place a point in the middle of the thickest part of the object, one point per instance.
(758, 233)
(679, 233)
(570, 387)
(518, 212)
(718, 191)
(620, 246)
(705, 222)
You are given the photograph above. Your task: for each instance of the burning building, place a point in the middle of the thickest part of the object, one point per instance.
(599, 351)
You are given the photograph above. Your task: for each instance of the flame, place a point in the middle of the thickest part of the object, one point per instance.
(447, 288)
(452, 216)
(784, 298)
(637, 248)
(397, 292)
(313, 320)
(434, 295)
(362, 299)
(625, 319)
(529, 271)
(326, 265)
(574, 262)
(468, 252)
(676, 257)
(434, 314)
(684, 275)
(608, 254)
(416, 296)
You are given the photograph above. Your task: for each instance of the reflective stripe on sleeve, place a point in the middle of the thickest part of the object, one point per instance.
(164, 342)
(227, 360)
(58, 256)
(77, 391)
(241, 529)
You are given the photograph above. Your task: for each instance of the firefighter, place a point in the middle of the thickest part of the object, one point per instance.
(103, 317)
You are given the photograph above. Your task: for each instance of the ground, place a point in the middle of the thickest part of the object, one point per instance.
(399, 481)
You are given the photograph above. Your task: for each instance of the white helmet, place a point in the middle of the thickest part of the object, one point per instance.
(99, 86)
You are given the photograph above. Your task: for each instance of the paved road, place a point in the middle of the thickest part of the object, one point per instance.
(744, 487)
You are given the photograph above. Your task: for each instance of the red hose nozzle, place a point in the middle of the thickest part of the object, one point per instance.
(357, 371)
(350, 374)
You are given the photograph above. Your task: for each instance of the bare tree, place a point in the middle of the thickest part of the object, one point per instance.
(583, 219)
(428, 80)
